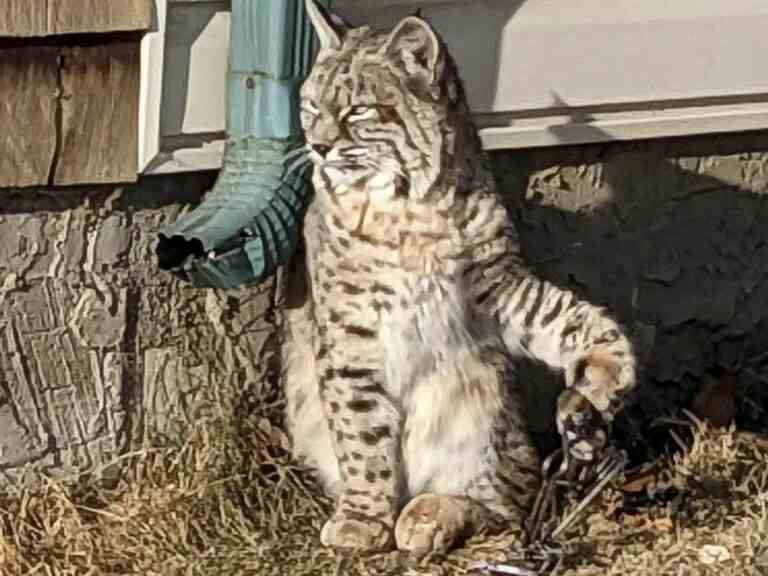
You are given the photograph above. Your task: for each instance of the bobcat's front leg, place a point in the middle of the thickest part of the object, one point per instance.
(365, 427)
(554, 326)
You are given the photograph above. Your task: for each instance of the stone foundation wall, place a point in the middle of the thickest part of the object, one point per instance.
(97, 346)
(672, 235)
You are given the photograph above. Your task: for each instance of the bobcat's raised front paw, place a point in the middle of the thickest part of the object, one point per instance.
(360, 533)
(432, 524)
(581, 426)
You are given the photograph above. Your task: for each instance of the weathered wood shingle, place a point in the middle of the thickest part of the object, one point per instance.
(69, 105)
(28, 101)
(88, 16)
(23, 18)
(99, 114)
(29, 18)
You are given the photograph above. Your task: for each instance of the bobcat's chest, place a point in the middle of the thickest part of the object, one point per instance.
(415, 238)
(387, 283)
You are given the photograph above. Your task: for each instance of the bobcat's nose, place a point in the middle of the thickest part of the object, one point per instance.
(322, 149)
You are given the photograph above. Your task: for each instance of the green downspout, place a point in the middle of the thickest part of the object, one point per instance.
(249, 223)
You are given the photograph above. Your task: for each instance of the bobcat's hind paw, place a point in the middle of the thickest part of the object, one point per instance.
(432, 524)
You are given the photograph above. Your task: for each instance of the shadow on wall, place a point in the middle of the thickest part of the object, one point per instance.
(670, 234)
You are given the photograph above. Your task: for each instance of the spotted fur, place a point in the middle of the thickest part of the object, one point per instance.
(400, 363)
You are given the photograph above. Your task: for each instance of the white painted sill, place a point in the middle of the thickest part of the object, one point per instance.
(536, 72)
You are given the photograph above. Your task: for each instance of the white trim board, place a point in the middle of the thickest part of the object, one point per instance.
(150, 92)
(209, 157)
(517, 131)
(181, 104)
(549, 72)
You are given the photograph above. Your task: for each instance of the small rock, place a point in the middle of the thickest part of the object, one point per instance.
(712, 554)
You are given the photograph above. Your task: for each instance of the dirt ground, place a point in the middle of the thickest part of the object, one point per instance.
(231, 502)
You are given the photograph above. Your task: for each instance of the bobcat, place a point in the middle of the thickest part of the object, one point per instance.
(400, 379)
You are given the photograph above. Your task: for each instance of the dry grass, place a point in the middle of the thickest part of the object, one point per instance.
(234, 504)
(718, 525)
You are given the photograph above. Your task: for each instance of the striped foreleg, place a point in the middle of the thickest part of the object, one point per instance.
(556, 327)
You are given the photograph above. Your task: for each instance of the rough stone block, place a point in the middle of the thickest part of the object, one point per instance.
(95, 343)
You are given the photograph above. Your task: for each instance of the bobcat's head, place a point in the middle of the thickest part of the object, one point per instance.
(376, 108)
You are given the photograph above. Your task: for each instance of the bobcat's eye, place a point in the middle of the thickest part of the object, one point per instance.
(359, 113)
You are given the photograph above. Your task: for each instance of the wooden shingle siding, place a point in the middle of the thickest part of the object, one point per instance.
(31, 18)
(99, 114)
(23, 18)
(69, 114)
(28, 101)
(69, 90)
(88, 16)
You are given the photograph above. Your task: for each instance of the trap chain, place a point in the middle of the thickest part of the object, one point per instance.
(542, 554)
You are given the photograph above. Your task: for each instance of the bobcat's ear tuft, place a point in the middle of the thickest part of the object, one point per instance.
(416, 45)
(329, 27)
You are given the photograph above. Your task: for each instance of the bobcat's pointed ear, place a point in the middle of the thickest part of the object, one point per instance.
(416, 45)
(329, 28)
